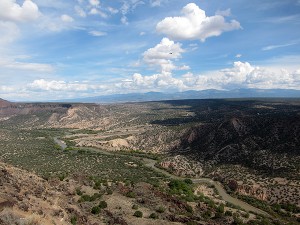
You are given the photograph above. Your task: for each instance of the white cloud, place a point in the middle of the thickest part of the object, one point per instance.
(80, 12)
(241, 75)
(151, 83)
(124, 20)
(61, 86)
(66, 18)
(94, 3)
(271, 47)
(226, 12)
(238, 55)
(112, 10)
(95, 11)
(97, 33)
(142, 33)
(155, 3)
(128, 6)
(34, 67)
(194, 24)
(163, 54)
(12, 11)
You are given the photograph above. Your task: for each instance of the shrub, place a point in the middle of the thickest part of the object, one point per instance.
(153, 216)
(73, 220)
(160, 209)
(95, 210)
(135, 207)
(220, 208)
(228, 213)
(130, 194)
(189, 209)
(102, 205)
(138, 213)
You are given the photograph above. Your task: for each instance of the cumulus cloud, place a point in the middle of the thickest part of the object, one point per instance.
(240, 75)
(163, 54)
(12, 11)
(194, 24)
(66, 18)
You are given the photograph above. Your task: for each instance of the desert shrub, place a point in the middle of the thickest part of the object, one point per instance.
(228, 213)
(138, 213)
(153, 216)
(135, 207)
(95, 210)
(220, 208)
(73, 220)
(102, 205)
(160, 209)
(130, 194)
(189, 209)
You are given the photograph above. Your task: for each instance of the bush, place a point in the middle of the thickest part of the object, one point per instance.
(220, 208)
(138, 214)
(73, 220)
(135, 207)
(130, 194)
(102, 205)
(95, 210)
(153, 216)
(78, 191)
(189, 209)
(228, 213)
(160, 209)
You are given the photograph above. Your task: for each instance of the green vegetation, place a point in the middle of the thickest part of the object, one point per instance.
(153, 216)
(73, 220)
(135, 207)
(95, 210)
(179, 187)
(130, 194)
(88, 198)
(138, 213)
(160, 209)
(102, 205)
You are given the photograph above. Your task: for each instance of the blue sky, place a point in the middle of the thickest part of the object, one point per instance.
(63, 49)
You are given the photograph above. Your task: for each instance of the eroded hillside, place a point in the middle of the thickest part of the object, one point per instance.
(250, 146)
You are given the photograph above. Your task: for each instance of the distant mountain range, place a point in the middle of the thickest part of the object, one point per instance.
(205, 94)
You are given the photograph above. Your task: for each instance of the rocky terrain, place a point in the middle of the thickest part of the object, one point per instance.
(250, 146)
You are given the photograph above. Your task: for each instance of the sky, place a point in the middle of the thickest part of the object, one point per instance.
(63, 49)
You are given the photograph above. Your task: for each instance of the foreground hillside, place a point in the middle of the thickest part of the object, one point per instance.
(250, 146)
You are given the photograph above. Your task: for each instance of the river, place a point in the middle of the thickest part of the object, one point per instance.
(151, 163)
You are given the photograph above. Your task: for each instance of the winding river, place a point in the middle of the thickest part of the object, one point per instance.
(151, 163)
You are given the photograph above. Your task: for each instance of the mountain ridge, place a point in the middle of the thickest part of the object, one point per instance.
(191, 94)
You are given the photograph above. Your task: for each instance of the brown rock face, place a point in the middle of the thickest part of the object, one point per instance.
(4, 103)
